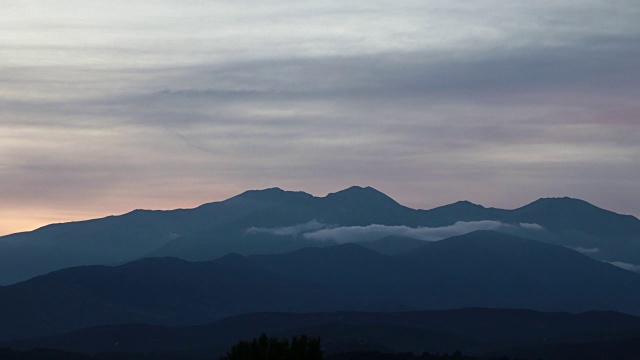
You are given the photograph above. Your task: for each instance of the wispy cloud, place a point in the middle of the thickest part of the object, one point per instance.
(374, 232)
(531, 226)
(584, 250)
(626, 266)
(315, 230)
(176, 99)
(294, 230)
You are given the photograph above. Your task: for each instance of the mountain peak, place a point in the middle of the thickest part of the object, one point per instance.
(270, 194)
(467, 203)
(460, 211)
(360, 193)
(578, 215)
(268, 191)
(560, 200)
(462, 205)
(561, 204)
(363, 206)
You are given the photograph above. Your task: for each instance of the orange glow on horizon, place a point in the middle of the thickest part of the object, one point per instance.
(30, 219)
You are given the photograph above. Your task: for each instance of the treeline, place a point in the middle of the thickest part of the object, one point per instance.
(306, 348)
(272, 348)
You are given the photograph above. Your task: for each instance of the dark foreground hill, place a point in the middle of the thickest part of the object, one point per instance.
(472, 331)
(479, 269)
(275, 221)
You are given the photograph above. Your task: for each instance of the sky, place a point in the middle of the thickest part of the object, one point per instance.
(110, 106)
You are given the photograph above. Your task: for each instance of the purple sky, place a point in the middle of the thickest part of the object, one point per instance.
(108, 106)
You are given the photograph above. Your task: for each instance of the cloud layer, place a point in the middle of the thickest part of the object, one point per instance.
(315, 230)
(626, 266)
(374, 232)
(295, 230)
(585, 250)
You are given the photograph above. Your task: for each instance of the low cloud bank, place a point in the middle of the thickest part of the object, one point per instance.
(315, 230)
(584, 250)
(531, 226)
(347, 234)
(626, 266)
(294, 230)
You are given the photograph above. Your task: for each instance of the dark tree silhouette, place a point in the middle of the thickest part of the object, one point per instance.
(266, 348)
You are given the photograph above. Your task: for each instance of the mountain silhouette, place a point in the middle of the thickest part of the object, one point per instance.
(157, 291)
(216, 229)
(479, 269)
(461, 211)
(586, 225)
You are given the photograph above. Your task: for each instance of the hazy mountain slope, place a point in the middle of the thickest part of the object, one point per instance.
(601, 234)
(118, 239)
(378, 281)
(484, 268)
(490, 263)
(355, 206)
(157, 291)
(393, 245)
(557, 214)
(573, 222)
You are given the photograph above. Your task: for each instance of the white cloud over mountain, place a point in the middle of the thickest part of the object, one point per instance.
(626, 266)
(294, 230)
(314, 230)
(584, 250)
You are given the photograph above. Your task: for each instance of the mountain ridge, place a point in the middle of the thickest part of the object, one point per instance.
(217, 228)
(479, 269)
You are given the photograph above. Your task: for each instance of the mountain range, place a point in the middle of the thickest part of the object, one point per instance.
(354, 267)
(273, 221)
(478, 269)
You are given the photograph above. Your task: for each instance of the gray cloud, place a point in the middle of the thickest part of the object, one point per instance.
(374, 231)
(597, 65)
(295, 230)
(173, 103)
(584, 250)
(531, 226)
(315, 230)
(626, 266)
